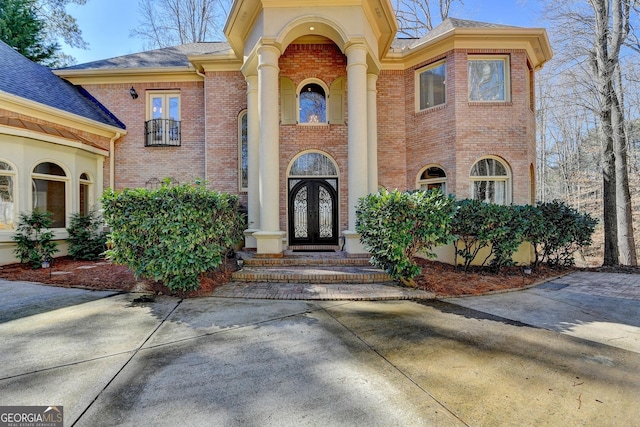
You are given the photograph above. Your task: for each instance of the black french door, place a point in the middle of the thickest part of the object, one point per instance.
(313, 212)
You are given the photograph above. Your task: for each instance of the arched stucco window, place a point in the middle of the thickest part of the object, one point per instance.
(490, 181)
(431, 177)
(49, 182)
(7, 195)
(86, 185)
(312, 102)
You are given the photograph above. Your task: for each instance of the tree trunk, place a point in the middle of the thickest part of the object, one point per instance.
(626, 241)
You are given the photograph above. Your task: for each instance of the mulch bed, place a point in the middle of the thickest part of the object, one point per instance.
(443, 279)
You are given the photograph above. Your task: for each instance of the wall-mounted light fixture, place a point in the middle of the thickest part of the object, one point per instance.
(133, 93)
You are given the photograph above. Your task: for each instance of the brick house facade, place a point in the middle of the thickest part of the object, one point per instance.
(238, 107)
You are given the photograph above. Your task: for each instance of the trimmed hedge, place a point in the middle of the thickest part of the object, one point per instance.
(395, 226)
(172, 234)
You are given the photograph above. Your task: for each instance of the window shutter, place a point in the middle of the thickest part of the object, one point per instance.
(287, 102)
(336, 102)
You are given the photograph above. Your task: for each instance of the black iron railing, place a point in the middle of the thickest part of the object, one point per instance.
(162, 133)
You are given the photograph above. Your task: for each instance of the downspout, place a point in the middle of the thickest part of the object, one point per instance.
(204, 98)
(112, 160)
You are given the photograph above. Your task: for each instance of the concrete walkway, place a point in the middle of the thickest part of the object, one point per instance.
(500, 360)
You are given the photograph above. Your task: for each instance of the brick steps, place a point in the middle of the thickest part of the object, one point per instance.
(310, 268)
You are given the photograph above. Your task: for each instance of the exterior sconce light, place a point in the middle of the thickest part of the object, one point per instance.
(133, 93)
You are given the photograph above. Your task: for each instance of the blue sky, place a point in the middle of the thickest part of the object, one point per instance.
(106, 24)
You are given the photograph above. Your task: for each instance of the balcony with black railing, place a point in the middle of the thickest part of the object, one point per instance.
(162, 133)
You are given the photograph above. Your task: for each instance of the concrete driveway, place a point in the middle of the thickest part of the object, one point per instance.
(116, 359)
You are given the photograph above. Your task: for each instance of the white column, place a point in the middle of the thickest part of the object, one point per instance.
(253, 132)
(269, 238)
(372, 132)
(357, 136)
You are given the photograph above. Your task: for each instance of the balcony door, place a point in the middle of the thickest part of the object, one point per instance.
(163, 125)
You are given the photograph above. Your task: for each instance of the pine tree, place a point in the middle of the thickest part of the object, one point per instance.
(21, 29)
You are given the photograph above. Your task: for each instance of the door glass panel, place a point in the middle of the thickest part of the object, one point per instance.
(156, 107)
(174, 108)
(325, 209)
(300, 207)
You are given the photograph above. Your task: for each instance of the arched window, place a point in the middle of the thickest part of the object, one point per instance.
(432, 177)
(312, 104)
(490, 181)
(313, 164)
(243, 152)
(7, 196)
(49, 183)
(85, 194)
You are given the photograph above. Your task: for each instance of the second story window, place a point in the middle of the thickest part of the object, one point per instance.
(162, 128)
(313, 104)
(489, 78)
(431, 86)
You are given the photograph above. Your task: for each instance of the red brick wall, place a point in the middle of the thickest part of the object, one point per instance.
(135, 164)
(324, 62)
(392, 131)
(457, 134)
(226, 99)
(453, 136)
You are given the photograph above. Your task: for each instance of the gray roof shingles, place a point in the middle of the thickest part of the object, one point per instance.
(444, 27)
(176, 56)
(23, 78)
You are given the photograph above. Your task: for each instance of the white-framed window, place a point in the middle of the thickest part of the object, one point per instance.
(49, 186)
(163, 125)
(491, 181)
(243, 152)
(489, 78)
(432, 176)
(7, 196)
(431, 86)
(312, 102)
(85, 196)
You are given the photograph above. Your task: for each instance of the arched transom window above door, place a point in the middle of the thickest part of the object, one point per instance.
(313, 164)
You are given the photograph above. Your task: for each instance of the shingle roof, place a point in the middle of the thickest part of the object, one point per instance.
(444, 27)
(175, 56)
(26, 79)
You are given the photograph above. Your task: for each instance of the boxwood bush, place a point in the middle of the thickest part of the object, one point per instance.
(395, 226)
(172, 234)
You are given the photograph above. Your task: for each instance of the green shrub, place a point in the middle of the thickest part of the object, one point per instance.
(565, 231)
(395, 226)
(172, 234)
(470, 225)
(34, 239)
(554, 229)
(507, 231)
(87, 240)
